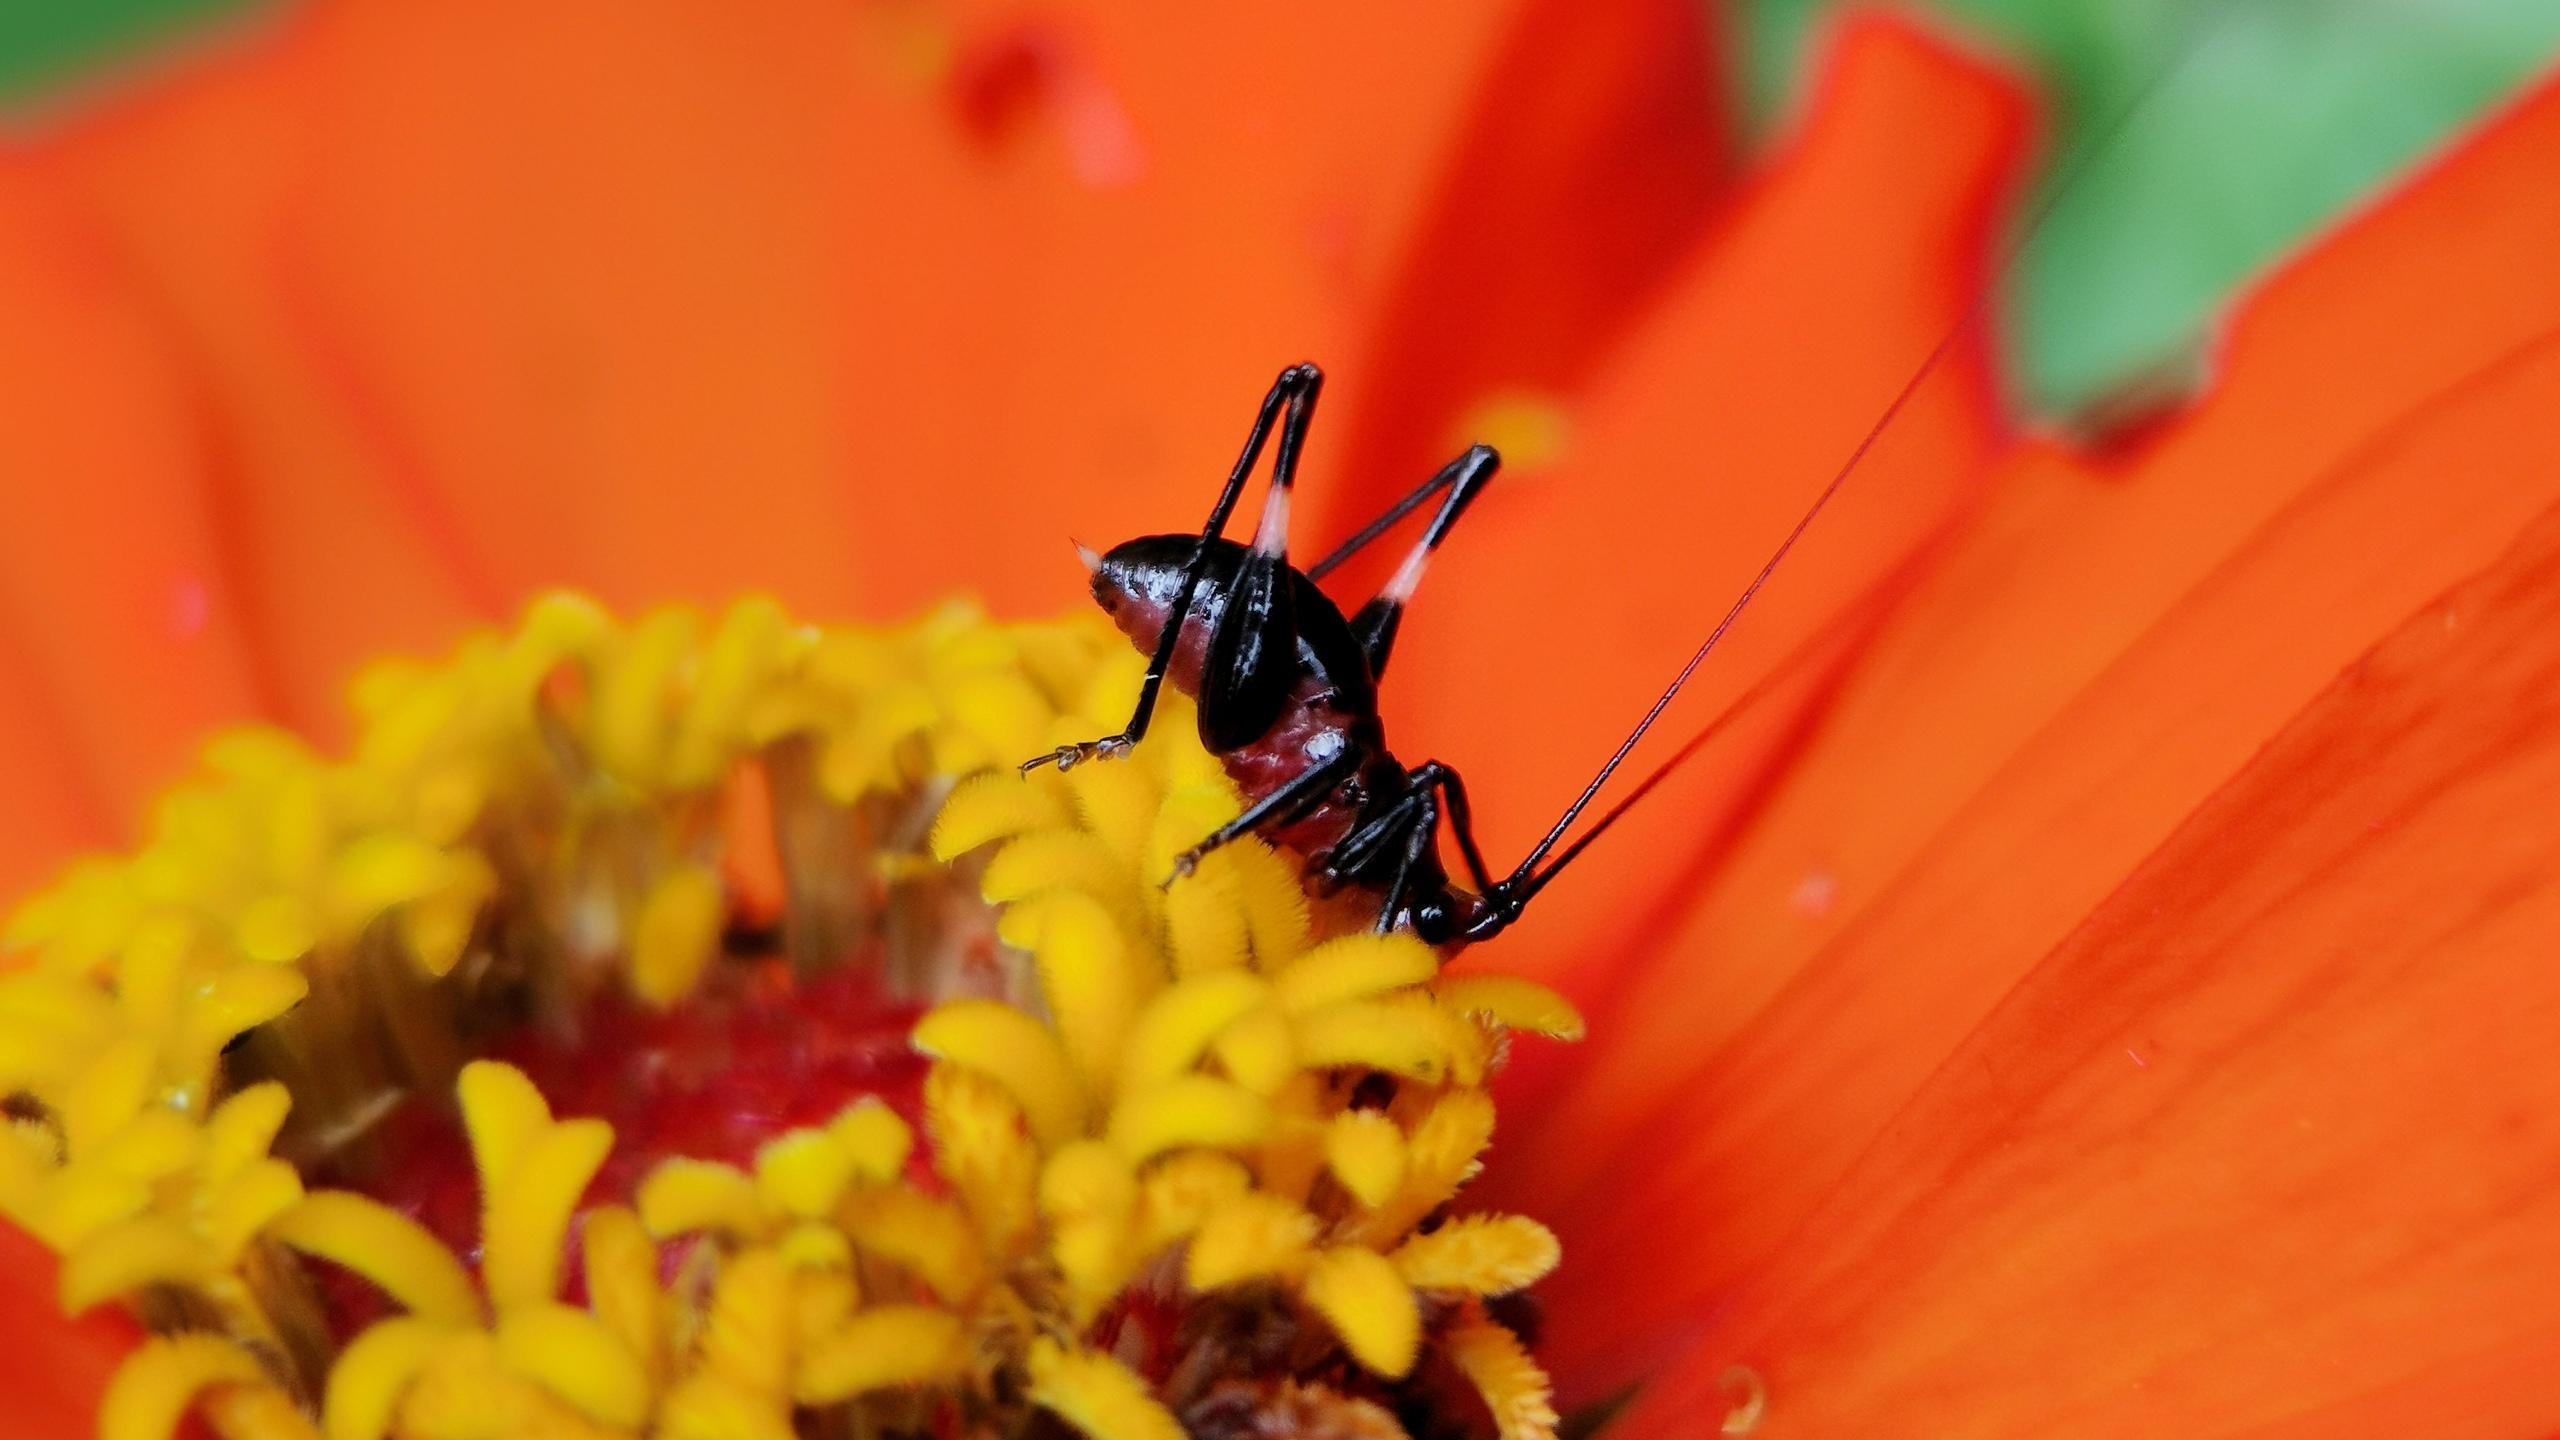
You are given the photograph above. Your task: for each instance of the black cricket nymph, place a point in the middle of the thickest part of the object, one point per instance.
(1287, 687)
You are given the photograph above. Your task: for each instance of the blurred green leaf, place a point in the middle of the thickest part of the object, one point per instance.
(2270, 119)
(50, 45)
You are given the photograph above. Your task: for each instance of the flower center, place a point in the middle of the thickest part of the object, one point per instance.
(699, 1029)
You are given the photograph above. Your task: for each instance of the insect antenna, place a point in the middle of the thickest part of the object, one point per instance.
(1535, 870)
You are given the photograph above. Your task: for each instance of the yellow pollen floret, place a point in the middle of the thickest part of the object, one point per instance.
(1479, 1254)
(1369, 1305)
(1159, 1123)
(396, 1253)
(1097, 1395)
(1366, 1152)
(1513, 1387)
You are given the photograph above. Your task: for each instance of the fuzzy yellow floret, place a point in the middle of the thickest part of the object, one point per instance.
(1017, 1052)
(1366, 1152)
(621, 1271)
(1250, 1237)
(164, 1379)
(374, 1372)
(1097, 1395)
(1179, 1025)
(1513, 1387)
(1480, 1255)
(532, 1171)
(983, 1146)
(1188, 1111)
(1160, 1091)
(1516, 1003)
(885, 1346)
(1369, 1305)
(574, 1355)
(675, 934)
(396, 1253)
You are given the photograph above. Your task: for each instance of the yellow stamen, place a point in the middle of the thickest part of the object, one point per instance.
(1369, 1305)
(386, 1247)
(577, 1357)
(1366, 1153)
(1354, 967)
(888, 1345)
(532, 1171)
(1098, 1395)
(1188, 1111)
(678, 928)
(1017, 1052)
(622, 1284)
(165, 1378)
(1251, 1237)
(1515, 1003)
(1479, 1254)
(1513, 1387)
(1154, 1116)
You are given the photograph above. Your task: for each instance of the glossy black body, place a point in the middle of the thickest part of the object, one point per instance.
(1313, 710)
(1287, 688)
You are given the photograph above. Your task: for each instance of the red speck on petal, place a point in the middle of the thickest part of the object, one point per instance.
(1007, 81)
(190, 607)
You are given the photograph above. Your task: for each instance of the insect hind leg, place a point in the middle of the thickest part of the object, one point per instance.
(1293, 392)
(1375, 624)
(1252, 661)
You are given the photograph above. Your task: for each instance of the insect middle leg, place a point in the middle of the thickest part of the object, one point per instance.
(1422, 834)
(1293, 394)
(1407, 830)
(1462, 819)
(1289, 802)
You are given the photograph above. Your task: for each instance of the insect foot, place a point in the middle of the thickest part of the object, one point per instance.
(1068, 757)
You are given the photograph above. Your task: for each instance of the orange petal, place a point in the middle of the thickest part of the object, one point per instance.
(581, 285)
(2270, 1138)
(2098, 655)
(1548, 625)
(54, 809)
(122, 618)
(329, 562)
(1587, 169)
(660, 301)
(1051, 351)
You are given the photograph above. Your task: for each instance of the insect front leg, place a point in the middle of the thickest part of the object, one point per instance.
(1252, 663)
(1294, 392)
(1291, 801)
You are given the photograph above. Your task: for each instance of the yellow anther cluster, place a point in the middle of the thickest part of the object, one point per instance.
(1164, 1122)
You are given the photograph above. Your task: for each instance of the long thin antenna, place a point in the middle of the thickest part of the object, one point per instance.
(1526, 879)
(1735, 709)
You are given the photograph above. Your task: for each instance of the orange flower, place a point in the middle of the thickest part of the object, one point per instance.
(2105, 993)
